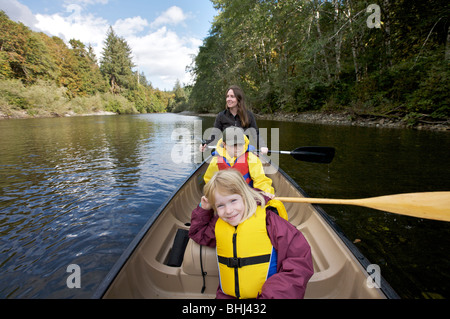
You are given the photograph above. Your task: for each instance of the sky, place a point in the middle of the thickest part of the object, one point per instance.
(163, 35)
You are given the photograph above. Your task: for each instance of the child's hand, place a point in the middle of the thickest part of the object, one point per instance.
(205, 204)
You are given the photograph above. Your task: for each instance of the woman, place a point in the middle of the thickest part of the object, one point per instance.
(236, 114)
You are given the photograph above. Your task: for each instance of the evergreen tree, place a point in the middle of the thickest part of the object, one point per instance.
(40, 62)
(116, 63)
(88, 73)
(179, 99)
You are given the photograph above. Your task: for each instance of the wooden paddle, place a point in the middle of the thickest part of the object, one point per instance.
(429, 205)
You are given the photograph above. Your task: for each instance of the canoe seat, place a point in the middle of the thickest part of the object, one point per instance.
(191, 261)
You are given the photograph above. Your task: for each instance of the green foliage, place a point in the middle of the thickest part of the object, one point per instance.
(209, 68)
(297, 56)
(11, 93)
(117, 104)
(47, 99)
(117, 63)
(43, 98)
(146, 100)
(432, 95)
(180, 98)
(43, 76)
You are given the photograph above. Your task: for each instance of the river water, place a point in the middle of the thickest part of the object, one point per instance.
(75, 191)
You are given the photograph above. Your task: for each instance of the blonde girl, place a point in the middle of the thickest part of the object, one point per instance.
(259, 254)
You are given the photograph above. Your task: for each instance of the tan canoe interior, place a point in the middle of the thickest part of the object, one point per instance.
(145, 275)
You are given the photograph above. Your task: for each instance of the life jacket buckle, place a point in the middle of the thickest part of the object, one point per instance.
(234, 262)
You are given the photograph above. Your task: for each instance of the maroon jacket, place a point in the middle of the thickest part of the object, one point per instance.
(294, 264)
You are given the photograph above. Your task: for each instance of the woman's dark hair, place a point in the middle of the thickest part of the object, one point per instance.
(242, 109)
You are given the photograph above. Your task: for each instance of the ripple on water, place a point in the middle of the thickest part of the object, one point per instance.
(77, 191)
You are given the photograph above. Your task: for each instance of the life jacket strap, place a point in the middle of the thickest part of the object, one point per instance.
(241, 262)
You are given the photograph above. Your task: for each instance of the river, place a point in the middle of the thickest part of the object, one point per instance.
(75, 191)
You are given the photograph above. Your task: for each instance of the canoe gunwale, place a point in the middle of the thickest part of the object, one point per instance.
(386, 288)
(120, 263)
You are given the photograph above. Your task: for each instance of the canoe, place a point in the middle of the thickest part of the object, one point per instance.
(163, 263)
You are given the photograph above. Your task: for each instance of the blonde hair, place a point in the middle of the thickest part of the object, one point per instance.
(230, 182)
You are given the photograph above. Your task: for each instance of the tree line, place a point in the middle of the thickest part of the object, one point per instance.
(32, 61)
(368, 58)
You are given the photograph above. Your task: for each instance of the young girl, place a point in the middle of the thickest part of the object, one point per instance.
(259, 254)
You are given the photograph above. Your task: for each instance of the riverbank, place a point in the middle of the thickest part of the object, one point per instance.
(46, 99)
(22, 114)
(348, 119)
(306, 117)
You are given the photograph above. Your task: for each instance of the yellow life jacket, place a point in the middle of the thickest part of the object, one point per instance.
(279, 206)
(245, 256)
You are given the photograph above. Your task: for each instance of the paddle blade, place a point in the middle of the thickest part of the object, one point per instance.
(429, 205)
(314, 154)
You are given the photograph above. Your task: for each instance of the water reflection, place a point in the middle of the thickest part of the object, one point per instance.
(412, 253)
(76, 190)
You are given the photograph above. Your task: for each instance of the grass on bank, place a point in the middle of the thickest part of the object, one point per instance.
(45, 99)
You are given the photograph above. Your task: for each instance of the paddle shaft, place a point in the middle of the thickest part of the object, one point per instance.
(312, 154)
(429, 205)
(293, 152)
(281, 152)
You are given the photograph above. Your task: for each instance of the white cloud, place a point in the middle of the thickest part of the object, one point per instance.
(86, 28)
(129, 26)
(85, 2)
(174, 15)
(18, 12)
(164, 54)
(161, 53)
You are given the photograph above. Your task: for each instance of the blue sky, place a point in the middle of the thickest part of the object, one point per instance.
(164, 35)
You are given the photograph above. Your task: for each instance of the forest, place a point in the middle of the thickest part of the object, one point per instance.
(43, 76)
(377, 58)
(372, 58)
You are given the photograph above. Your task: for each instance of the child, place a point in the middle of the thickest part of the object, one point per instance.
(233, 151)
(259, 254)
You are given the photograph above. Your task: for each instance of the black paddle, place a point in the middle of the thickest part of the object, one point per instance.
(313, 154)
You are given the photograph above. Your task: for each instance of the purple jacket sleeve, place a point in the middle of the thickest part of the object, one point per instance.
(294, 264)
(203, 223)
